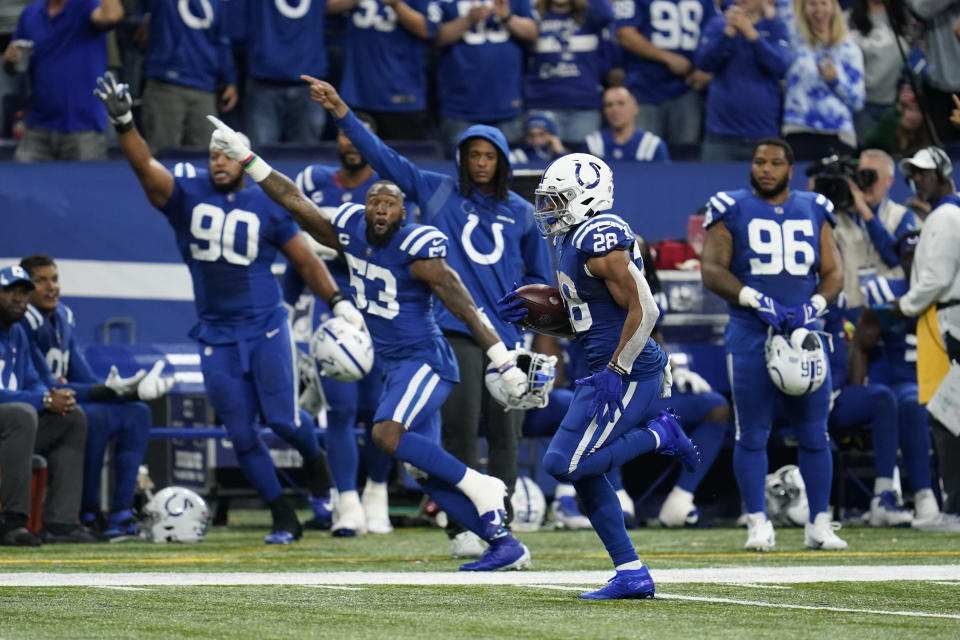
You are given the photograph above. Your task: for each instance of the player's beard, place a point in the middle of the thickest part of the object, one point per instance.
(768, 194)
(352, 166)
(233, 185)
(381, 240)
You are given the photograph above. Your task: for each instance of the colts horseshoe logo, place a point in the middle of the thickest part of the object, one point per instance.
(596, 181)
(482, 258)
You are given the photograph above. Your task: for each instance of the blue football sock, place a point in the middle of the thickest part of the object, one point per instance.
(428, 456)
(750, 470)
(915, 443)
(709, 437)
(128, 453)
(601, 505)
(258, 469)
(885, 431)
(342, 449)
(96, 446)
(302, 438)
(816, 467)
(377, 462)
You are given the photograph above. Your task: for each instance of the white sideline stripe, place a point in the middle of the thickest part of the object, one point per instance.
(777, 605)
(725, 575)
(751, 585)
(334, 586)
(119, 588)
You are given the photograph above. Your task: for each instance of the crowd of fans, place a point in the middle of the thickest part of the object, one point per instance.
(718, 75)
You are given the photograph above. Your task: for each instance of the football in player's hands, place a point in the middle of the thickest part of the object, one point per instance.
(546, 312)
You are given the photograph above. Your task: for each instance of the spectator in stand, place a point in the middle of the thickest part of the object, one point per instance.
(825, 80)
(65, 121)
(540, 140)
(622, 139)
(941, 18)
(480, 75)
(871, 29)
(900, 131)
(746, 49)
(284, 40)
(384, 72)
(188, 60)
(13, 87)
(49, 417)
(659, 39)
(567, 67)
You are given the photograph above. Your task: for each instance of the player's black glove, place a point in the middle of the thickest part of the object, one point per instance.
(116, 96)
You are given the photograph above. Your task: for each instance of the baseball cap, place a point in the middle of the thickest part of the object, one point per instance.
(13, 274)
(542, 119)
(928, 158)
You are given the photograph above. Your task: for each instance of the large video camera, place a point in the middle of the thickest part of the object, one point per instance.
(832, 174)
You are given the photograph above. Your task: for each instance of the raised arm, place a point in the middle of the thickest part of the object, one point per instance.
(715, 263)
(156, 180)
(109, 13)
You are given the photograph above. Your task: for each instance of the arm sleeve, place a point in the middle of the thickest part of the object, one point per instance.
(849, 85)
(31, 388)
(772, 51)
(935, 271)
(883, 241)
(416, 184)
(715, 47)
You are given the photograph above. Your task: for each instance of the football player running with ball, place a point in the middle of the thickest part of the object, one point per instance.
(612, 313)
(395, 270)
(771, 255)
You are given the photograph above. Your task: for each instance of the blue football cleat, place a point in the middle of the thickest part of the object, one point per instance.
(504, 554)
(121, 524)
(280, 537)
(635, 583)
(493, 523)
(673, 440)
(322, 513)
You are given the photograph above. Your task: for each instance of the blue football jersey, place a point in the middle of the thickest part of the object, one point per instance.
(595, 316)
(673, 25)
(54, 340)
(776, 250)
(285, 39)
(384, 66)
(229, 242)
(643, 146)
(398, 307)
(834, 324)
(899, 338)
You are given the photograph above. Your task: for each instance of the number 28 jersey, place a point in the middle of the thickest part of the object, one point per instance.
(229, 242)
(595, 316)
(776, 250)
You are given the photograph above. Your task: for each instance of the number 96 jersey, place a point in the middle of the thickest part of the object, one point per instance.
(776, 250)
(595, 316)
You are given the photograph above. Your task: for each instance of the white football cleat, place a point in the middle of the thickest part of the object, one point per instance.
(375, 507)
(937, 522)
(760, 534)
(820, 534)
(466, 544)
(349, 519)
(886, 512)
(678, 509)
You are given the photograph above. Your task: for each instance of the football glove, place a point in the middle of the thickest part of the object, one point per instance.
(510, 307)
(608, 394)
(123, 386)
(152, 386)
(345, 309)
(116, 97)
(766, 308)
(805, 314)
(666, 386)
(228, 141)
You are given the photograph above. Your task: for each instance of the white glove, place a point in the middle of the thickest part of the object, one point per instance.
(153, 386)
(687, 380)
(514, 381)
(232, 144)
(345, 309)
(123, 386)
(665, 387)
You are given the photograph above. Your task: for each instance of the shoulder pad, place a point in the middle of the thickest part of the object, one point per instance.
(346, 212)
(647, 149)
(68, 315)
(718, 206)
(184, 170)
(602, 234)
(424, 241)
(33, 317)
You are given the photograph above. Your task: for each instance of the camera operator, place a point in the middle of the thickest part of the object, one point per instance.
(868, 222)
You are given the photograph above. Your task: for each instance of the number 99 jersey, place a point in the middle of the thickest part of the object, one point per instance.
(595, 316)
(776, 250)
(229, 242)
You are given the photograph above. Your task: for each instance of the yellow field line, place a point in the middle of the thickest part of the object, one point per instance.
(228, 556)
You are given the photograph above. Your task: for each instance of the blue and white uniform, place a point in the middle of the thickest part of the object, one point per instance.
(643, 146)
(61, 363)
(229, 242)
(776, 250)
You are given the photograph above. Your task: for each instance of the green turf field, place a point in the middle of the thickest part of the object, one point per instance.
(405, 586)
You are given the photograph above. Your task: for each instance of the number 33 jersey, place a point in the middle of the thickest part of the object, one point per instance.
(776, 250)
(595, 316)
(229, 242)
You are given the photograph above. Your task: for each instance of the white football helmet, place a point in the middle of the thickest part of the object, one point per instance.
(529, 505)
(541, 373)
(175, 514)
(798, 364)
(344, 352)
(572, 189)
(787, 497)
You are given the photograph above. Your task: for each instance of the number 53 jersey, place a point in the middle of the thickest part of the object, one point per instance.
(595, 316)
(776, 250)
(229, 242)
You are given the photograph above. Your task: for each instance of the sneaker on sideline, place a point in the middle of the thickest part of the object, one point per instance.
(820, 534)
(376, 508)
(760, 534)
(630, 584)
(885, 511)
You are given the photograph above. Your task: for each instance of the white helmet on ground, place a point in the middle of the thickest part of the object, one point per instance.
(541, 373)
(529, 505)
(344, 352)
(798, 364)
(175, 514)
(573, 188)
(787, 497)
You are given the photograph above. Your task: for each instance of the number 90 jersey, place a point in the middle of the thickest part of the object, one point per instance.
(776, 249)
(595, 316)
(229, 242)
